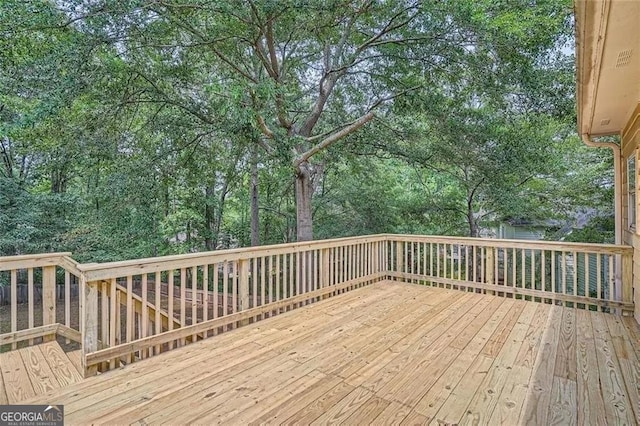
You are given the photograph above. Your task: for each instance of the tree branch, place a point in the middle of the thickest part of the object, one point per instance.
(326, 142)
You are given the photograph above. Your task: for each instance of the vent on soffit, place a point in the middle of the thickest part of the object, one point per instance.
(624, 58)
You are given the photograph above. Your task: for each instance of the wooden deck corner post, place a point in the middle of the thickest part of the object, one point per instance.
(489, 268)
(48, 298)
(243, 266)
(324, 271)
(89, 323)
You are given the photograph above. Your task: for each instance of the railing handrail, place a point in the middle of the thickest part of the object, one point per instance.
(101, 271)
(96, 271)
(528, 244)
(31, 260)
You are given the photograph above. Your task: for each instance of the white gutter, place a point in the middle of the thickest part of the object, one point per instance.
(617, 179)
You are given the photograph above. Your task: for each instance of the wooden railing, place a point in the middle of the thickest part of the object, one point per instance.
(591, 276)
(194, 296)
(136, 309)
(43, 292)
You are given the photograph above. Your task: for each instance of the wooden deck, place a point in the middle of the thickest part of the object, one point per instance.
(386, 353)
(33, 370)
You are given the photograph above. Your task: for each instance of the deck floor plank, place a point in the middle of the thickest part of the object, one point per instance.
(388, 353)
(566, 360)
(536, 408)
(629, 362)
(529, 350)
(349, 362)
(484, 402)
(499, 337)
(65, 372)
(393, 414)
(16, 379)
(292, 405)
(455, 406)
(563, 408)
(588, 375)
(616, 402)
(74, 357)
(3, 393)
(438, 387)
(42, 377)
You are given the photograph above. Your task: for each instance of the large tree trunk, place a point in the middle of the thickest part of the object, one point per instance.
(304, 192)
(255, 217)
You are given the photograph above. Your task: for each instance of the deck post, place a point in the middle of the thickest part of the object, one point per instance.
(489, 265)
(89, 322)
(48, 298)
(243, 267)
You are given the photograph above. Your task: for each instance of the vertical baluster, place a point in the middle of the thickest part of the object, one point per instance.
(332, 260)
(575, 274)
(291, 274)
(599, 276)
(194, 299)
(225, 290)
(554, 284)
(30, 299)
(587, 275)
(144, 314)
(430, 259)
(113, 313)
(564, 274)
(157, 328)
(445, 260)
(303, 272)
(474, 263)
(205, 295)
(514, 268)
(14, 304)
(234, 288)
(104, 317)
(254, 283)
(505, 267)
(170, 301)
(278, 281)
(466, 263)
(67, 301)
(452, 261)
(523, 262)
(216, 292)
(243, 287)
(611, 281)
(543, 270)
(533, 270)
(263, 283)
(483, 265)
(183, 301)
(438, 260)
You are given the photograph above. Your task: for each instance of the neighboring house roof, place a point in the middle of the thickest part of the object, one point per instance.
(608, 64)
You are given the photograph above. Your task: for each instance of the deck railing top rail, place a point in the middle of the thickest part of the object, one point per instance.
(100, 271)
(8, 263)
(526, 244)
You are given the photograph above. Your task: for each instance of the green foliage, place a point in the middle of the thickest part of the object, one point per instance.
(128, 127)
